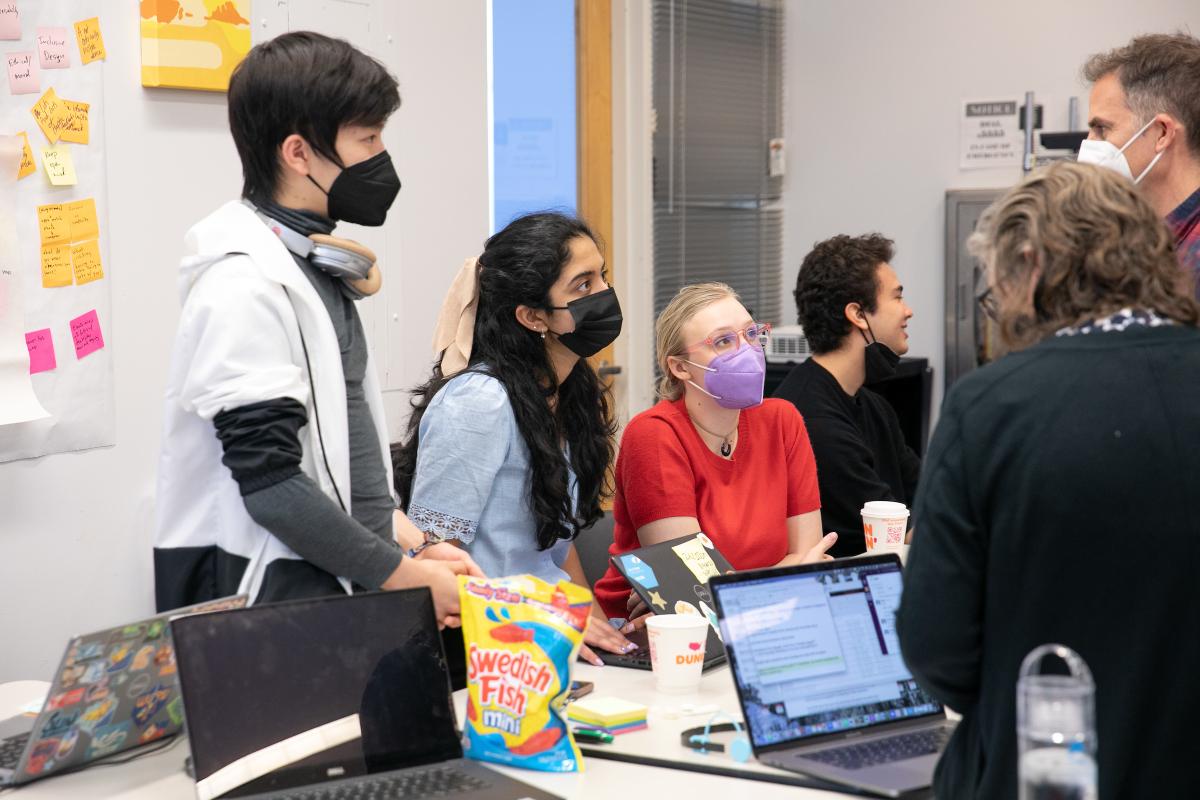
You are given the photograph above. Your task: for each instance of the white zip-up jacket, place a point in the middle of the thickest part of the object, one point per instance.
(239, 342)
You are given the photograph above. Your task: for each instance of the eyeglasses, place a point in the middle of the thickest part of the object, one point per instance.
(726, 340)
(985, 298)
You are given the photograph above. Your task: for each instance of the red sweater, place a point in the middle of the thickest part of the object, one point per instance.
(665, 470)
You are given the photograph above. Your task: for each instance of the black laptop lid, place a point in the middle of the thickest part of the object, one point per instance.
(672, 578)
(814, 649)
(354, 685)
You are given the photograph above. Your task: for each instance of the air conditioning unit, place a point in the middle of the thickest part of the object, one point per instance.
(787, 345)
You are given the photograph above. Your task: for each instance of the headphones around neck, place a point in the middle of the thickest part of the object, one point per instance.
(700, 739)
(353, 263)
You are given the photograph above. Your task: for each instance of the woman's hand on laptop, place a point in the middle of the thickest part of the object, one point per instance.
(602, 635)
(637, 612)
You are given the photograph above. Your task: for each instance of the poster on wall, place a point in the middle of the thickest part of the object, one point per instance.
(55, 270)
(193, 44)
(990, 134)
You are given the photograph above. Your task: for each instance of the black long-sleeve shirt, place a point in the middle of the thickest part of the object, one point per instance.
(860, 451)
(1058, 504)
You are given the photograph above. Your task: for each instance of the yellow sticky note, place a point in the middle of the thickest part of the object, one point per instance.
(696, 559)
(82, 217)
(48, 113)
(85, 258)
(91, 43)
(72, 121)
(54, 225)
(60, 169)
(28, 165)
(56, 266)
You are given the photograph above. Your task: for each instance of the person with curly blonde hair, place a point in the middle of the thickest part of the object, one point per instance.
(1051, 470)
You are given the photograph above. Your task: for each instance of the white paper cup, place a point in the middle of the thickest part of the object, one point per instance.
(677, 651)
(884, 525)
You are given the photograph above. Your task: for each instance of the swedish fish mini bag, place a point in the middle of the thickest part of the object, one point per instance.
(522, 635)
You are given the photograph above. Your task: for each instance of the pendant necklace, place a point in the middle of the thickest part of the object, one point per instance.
(726, 440)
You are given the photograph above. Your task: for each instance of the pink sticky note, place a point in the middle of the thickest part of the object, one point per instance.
(23, 74)
(41, 351)
(85, 331)
(10, 21)
(52, 48)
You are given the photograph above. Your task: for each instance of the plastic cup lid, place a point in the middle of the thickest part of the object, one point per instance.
(884, 508)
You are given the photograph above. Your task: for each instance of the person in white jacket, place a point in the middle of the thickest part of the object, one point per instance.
(274, 478)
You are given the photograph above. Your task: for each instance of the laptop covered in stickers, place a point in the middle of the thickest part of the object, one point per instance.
(671, 577)
(114, 690)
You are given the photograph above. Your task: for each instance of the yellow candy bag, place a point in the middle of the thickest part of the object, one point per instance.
(522, 635)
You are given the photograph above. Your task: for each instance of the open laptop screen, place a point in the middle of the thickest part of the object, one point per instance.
(816, 652)
(292, 694)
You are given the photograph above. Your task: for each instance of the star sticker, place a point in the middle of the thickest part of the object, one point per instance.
(657, 600)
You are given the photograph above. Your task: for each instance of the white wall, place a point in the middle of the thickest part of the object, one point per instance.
(75, 537)
(874, 97)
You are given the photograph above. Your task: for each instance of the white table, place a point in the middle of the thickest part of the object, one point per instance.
(160, 776)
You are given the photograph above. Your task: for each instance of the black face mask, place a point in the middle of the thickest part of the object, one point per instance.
(362, 193)
(597, 323)
(880, 360)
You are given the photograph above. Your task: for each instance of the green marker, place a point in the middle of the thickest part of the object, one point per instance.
(589, 735)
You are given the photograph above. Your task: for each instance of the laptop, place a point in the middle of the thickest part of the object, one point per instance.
(338, 697)
(672, 578)
(113, 690)
(823, 688)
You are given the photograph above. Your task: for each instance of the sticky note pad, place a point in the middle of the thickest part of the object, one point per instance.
(47, 111)
(10, 20)
(60, 169)
(82, 218)
(53, 224)
(41, 351)
(85, 332)
(85, 259)
(72, 122)
(91, 43)
(52, 48)
(28, 165)
(56, 266)
(23, 74)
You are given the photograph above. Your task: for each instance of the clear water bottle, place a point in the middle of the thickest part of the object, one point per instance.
(1056, 728)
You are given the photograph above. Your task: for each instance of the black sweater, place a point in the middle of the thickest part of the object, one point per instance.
(1059, 504)
(860, 452)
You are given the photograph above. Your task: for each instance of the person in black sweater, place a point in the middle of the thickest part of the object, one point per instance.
(852, 308)
(1057, 503)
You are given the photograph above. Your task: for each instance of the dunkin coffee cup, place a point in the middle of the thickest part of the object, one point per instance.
(884, 525)
(677, 650)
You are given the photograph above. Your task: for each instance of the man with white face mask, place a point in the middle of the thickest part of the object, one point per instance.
(1144, 123)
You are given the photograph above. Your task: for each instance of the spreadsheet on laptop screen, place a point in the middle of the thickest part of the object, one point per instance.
(817, 652)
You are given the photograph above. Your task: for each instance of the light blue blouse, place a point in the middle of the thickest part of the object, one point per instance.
(472, 480)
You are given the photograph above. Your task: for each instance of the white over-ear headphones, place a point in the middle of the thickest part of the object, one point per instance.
(342, 258)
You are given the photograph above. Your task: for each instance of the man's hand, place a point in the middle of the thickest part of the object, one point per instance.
(442, 579)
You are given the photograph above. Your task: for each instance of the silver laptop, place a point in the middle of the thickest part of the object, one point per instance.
(340, 697)
(114, 690)
(824, 691)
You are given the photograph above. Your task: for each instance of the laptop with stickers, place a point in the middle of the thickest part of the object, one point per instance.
(672, 578)
(114, 690)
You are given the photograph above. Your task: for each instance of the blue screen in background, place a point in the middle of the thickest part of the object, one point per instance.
(533, 96)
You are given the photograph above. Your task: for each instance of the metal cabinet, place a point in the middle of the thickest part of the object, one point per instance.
(970, 337)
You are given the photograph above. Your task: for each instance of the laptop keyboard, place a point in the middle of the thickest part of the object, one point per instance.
(433, 782)
(882, 751)
(11, 749)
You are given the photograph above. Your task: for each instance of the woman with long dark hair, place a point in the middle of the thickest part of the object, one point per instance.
(509, 442)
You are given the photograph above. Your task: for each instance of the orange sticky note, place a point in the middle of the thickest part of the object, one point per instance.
(91, 43)
(85, 258)
(60, 169)
(82, 218)
(54, 225)
(56, 266)
(47, 111)
(72, 121)
(28, 165)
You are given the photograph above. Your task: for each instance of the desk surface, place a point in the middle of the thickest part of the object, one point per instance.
(160, 776)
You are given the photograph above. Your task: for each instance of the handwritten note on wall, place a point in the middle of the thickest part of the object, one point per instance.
(86, 335)
(52, 48)
(23, 74)
(10, 20)
(91, 43)
(60, 169)
(41, 351)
